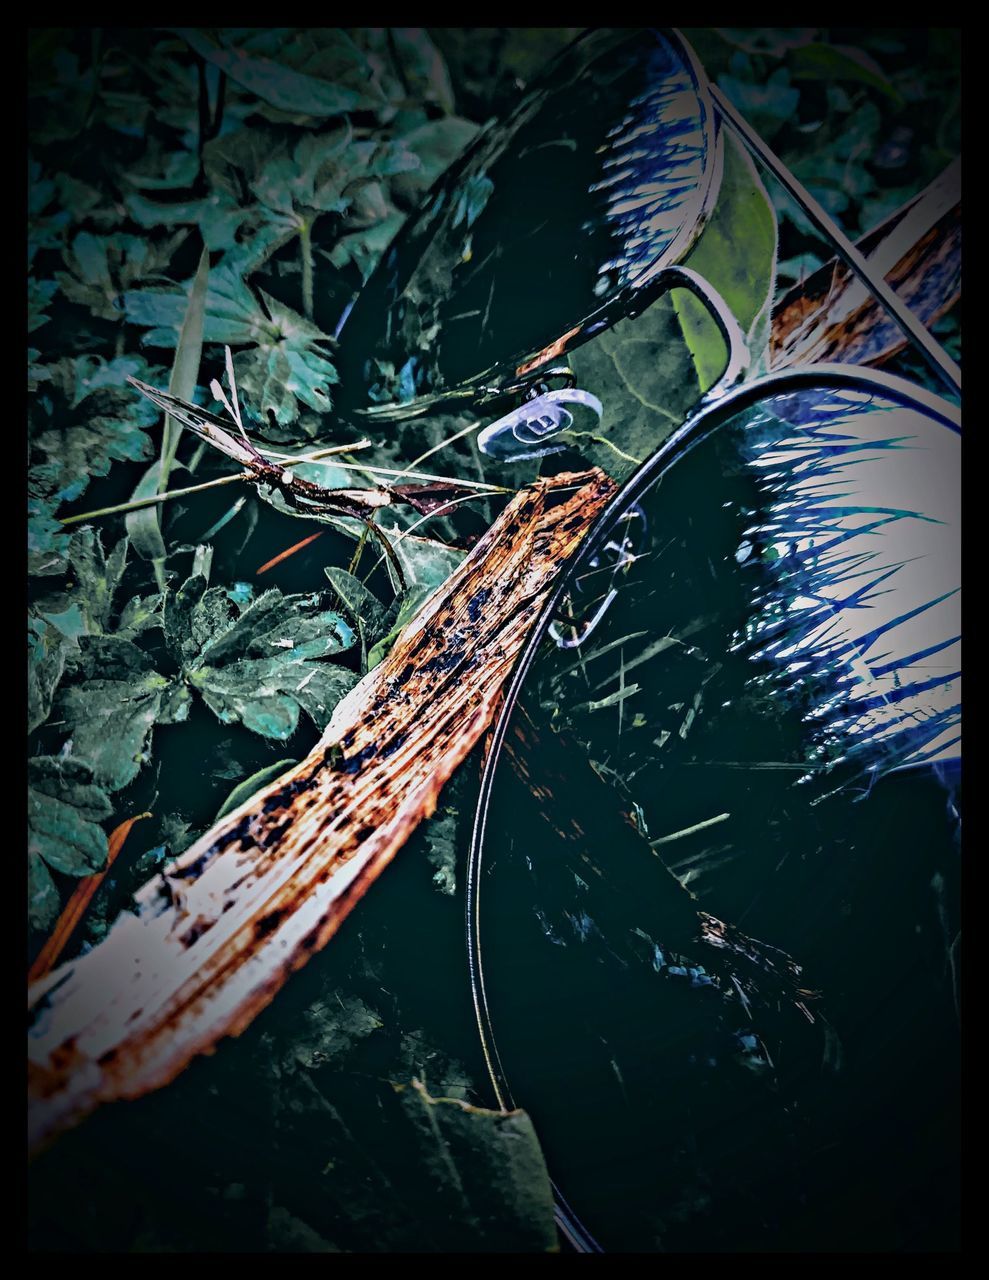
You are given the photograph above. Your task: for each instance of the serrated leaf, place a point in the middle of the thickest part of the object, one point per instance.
(65, 808)
(260, 667)
(92, 422)
(97, 576)
(110, 707)
(46, 662)
(286, 366)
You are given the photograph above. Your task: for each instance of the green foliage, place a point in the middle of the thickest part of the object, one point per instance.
(262, 665)
(110, 707)
(65, 809)
(244, 790)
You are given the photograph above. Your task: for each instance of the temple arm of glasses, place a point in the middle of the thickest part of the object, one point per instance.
(721, 314)
(940, 362)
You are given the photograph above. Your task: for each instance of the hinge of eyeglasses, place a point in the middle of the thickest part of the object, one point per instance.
(527, 431)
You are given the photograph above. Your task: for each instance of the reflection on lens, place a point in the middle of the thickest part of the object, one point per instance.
(717, 915)
(852, 553)
(598, 176)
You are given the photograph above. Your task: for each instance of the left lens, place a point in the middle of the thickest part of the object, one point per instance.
(732, 745)
(546, 223)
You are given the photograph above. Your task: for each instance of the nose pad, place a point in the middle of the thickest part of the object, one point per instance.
(525, 431)
(573, 627)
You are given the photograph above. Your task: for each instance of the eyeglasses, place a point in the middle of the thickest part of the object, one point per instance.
(761, 630)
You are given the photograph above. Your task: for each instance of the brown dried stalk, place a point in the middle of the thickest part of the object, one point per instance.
(220, 931)
(305, 495)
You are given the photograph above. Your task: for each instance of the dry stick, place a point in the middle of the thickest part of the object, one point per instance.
(219, 933)
(136, 503)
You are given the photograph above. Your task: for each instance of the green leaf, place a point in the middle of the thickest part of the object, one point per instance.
(144, 526)
(774, 41)
(91, 421)
(42, 897)
(244, 790)
(260, 667)
(767, 103)
(745, 280)
(332, 1027)
(842, 62)
(362, 606)
(286, 362)
(39, 294)
(96, 577)
(408, 604)
(487, 1168)
(138, 615)
(286, 366)
(365, 610)
(442, 843)
(217, 217)
(650, 370)
(425, 562)
(46, 662)
(65, 808)
(364, 248)
(100, 268)
(110, 707)
(276, 83)
(436, 144)
(643, 373)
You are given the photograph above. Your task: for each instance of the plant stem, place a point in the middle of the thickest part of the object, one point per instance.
(305, 250)
(137, 503)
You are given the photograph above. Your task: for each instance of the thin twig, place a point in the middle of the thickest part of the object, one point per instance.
(137, 503)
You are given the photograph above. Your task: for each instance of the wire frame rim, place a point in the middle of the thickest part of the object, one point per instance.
(699, 427)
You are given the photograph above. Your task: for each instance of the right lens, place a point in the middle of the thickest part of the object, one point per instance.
(783, 642)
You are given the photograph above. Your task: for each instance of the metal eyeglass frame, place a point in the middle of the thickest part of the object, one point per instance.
(722, 402)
